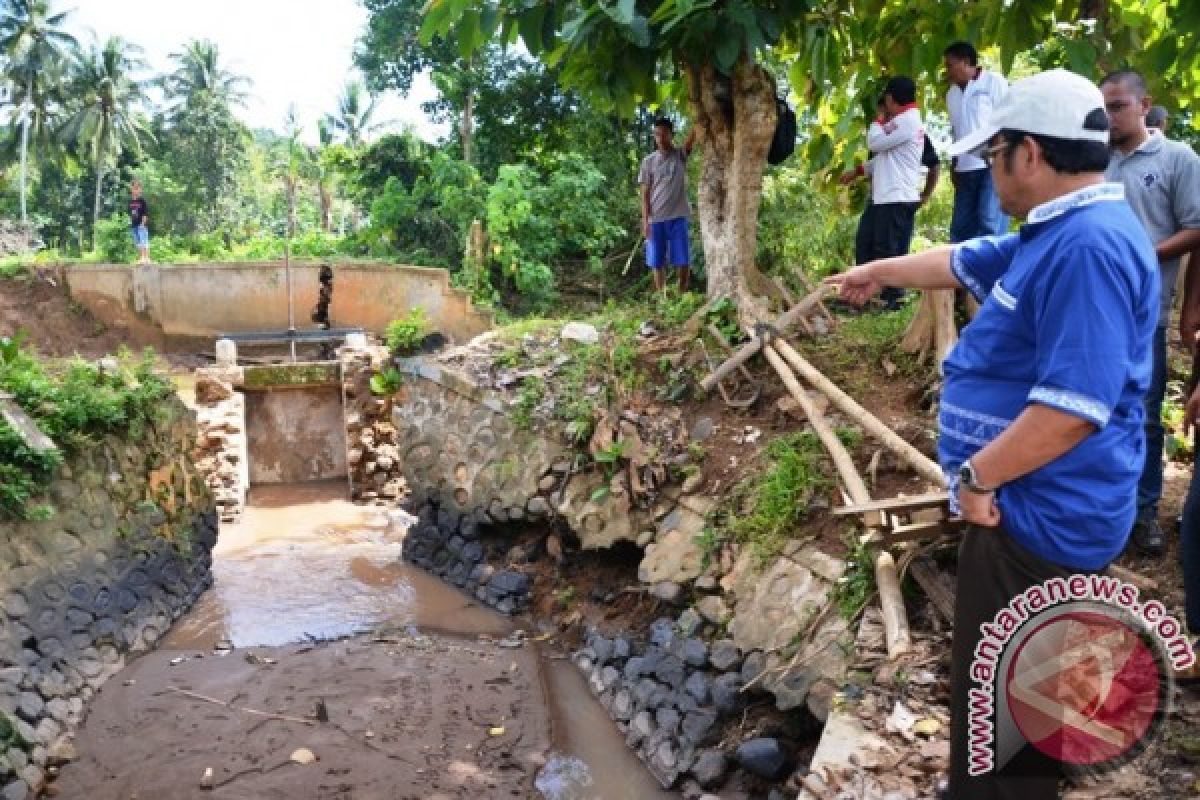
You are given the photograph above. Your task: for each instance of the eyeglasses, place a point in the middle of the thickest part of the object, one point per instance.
(989, 155)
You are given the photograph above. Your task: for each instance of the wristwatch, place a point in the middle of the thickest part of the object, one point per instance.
(968, 480)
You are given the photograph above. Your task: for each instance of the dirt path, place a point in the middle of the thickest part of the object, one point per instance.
(408, 718)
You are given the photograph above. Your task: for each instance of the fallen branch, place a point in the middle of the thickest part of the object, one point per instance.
(782, 323)
(255, 712)
(922, 464)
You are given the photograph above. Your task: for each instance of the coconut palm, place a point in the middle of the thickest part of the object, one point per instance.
(199, 78)
(354, 120)
(107, 120)
(34, 46)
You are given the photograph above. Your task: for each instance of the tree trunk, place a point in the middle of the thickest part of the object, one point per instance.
(467, 126)
(96, 201)
(25, 147)
(325, 198)
(735, 121)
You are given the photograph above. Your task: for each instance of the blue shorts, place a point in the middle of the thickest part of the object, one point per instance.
(141, 237)
(668, 237)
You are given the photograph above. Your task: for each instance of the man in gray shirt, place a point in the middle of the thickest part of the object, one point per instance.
(1162, 184)
(665, 209)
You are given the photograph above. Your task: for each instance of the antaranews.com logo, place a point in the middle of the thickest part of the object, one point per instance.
(1076, 667)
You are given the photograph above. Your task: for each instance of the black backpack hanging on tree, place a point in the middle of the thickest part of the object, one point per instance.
(783, 143)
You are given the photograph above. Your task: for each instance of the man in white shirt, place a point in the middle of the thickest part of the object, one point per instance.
(896, 141)
(974, 92)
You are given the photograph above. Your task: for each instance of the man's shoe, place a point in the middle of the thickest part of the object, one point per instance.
(1147, 537)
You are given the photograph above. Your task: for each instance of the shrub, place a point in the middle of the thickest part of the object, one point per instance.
(404, 334)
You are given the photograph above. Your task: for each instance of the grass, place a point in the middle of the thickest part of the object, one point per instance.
(778, 499)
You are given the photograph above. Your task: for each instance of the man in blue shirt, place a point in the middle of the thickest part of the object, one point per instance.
(1041, 415)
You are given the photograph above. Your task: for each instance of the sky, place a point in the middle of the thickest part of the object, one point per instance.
(295, 51)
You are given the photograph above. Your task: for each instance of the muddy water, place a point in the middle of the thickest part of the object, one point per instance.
(305, 562)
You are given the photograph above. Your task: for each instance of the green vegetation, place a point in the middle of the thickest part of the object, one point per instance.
(74, 403)
(856, 587)
(773, 503)
(386, 383)
(404, 335)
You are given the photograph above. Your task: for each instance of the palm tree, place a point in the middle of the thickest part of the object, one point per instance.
(352, 120)
(34, 44)
(199, 78)
(107, 121)
(324, 173)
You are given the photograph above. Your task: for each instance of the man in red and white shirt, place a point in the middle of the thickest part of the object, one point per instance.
(896, 141)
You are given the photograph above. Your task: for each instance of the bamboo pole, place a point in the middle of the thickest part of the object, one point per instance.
(922, 464)
(891, 603)
(782, 323)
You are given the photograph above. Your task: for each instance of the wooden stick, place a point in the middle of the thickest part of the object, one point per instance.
(790, 299)
(923, 465)
(205, 698)
(891, 603)
(782, 323)
(808, 287)
(919, 334)
(929, 578)
(917, 502)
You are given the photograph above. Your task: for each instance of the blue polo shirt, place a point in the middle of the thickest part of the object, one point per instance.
(1067, 317)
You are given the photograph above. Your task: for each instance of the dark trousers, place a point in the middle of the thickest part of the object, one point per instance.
(1189, 550)
(992, 570)
(1149, 489)
(885, 230)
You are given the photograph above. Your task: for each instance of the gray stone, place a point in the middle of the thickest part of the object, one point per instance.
(510, 582)
(649, 694)
(702, 429)
(633, 668)
(15, 604)
(700, 727)
(753, 666)
(641, 727)
(713, 609)
(694, 652)
(603, 649)
(621, 648)
(726, 693)
(689, 622)
(34, 776)
(48, 730)
(609, 677)
(17, 790)
(670, 670)
(764, 757)
(664, 764)
(17, 758)
(667, 720)
(622, 707)
(724, 655)
(699, 686)
(538, 507)
(662, 632)
(30, 705)
(710, 768)
(59, 709)
(668, 592)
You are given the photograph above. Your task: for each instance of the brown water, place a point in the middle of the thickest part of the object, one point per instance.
(305, 562)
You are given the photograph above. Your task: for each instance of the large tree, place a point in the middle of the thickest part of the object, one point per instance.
(35, 47)
(107, 119)
(354, 118)
(200, 79)
(714, 52)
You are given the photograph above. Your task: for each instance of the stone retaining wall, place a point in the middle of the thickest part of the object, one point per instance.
(126, 552)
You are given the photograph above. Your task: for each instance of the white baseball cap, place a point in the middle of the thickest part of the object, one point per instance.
(1054, 103)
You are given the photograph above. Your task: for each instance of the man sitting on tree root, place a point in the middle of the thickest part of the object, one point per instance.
(1040, 421)
(665, 209)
